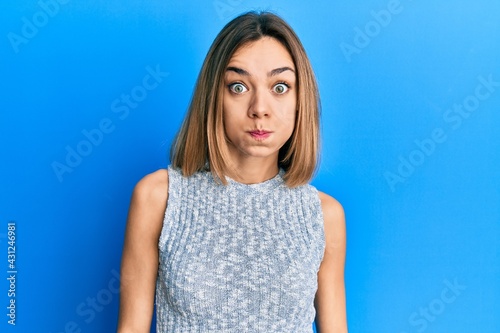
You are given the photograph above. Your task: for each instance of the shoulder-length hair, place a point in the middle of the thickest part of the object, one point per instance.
(202, 137)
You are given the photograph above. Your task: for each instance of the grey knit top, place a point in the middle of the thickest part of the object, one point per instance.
(238, 258)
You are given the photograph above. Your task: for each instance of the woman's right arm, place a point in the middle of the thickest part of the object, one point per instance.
(139, 265)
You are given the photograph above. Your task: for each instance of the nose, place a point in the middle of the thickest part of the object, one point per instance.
(259, 106)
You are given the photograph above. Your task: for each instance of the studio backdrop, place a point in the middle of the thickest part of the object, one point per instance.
(93, 92)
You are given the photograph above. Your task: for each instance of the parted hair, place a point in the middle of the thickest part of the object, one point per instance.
(202, 139)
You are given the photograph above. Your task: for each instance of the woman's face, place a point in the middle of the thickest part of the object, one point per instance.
(260, 98)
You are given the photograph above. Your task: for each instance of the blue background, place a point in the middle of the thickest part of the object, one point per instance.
(422, 208)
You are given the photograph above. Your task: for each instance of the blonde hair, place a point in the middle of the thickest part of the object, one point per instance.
(202, 138)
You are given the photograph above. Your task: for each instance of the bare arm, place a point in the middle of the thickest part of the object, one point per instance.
(139, 265)
(330, 298)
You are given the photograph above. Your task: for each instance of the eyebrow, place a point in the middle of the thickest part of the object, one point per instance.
(274, 72)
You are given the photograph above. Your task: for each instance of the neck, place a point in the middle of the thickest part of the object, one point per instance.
(253, 170)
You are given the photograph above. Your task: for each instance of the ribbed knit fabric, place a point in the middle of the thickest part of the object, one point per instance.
(238, 258)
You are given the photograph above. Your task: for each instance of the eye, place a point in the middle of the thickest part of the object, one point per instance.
(237, 88)
(281, 88)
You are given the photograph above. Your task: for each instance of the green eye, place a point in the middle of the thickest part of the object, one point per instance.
(237, 88)
(280, 88)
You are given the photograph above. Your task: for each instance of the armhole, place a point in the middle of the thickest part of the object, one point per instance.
(167, 215)
(321, 222)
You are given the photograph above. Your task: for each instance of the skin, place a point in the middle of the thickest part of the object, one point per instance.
(265, 74)
(261, 94)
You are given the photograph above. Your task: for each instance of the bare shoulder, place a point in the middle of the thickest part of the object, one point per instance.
(330, 298)
(334, 222)
(148, 205)
(330, 205)
(153, 186)
(139, 266)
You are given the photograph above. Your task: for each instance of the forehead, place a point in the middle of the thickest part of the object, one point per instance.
(266, 53)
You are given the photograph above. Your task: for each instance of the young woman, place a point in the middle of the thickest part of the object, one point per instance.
(231, 237)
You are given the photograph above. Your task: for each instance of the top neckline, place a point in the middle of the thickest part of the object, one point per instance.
(266, 185)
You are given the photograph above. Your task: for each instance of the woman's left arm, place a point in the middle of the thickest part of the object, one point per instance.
(330, 301)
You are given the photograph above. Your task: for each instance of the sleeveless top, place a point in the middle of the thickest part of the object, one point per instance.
(238, 257)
